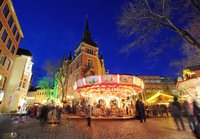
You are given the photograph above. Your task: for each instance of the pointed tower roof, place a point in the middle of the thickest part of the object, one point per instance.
(63, 59)
(69, 56)
(87, 38)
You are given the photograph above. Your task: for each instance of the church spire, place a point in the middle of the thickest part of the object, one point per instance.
(69, 56)
(86, 26)
(87, 38)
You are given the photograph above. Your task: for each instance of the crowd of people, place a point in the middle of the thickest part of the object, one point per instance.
(190, 109)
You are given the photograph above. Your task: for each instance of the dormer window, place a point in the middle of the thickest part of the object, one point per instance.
(89, 51)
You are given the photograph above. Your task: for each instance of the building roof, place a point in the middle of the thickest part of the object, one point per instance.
(196, 67)
(87, 38)
(22, 51)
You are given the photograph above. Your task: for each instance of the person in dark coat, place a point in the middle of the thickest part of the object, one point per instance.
(140, 108)
(176, 111)
(142, 112)
(137, 108)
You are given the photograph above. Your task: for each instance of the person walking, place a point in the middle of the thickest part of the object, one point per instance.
(188, 110)
(88, 115)
(176, 111)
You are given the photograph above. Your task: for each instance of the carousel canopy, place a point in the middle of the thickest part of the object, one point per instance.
(120, 85)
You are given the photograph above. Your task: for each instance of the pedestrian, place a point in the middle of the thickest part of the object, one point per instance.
(196, 108)
(88, 115)
(137, 108)
(188, 110)
(176, 111)
(142, 111)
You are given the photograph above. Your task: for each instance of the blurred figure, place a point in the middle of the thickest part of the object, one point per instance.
(196, 108)
(188, 109)
(176, 111)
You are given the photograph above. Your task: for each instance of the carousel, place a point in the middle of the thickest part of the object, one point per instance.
(110, 95)
(189, 86)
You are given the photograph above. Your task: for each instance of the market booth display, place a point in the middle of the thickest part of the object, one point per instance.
(189, 87)
(110, 95)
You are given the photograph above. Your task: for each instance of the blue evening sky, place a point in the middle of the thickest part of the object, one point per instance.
(52, 28)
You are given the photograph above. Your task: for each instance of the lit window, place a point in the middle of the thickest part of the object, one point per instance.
(6, 11)
(2, 82)
(10, 21)
(3, 59)
(9, 43)
(14, 30)
(89, 63)
(4, 36)
(7, 64)
(12, 50)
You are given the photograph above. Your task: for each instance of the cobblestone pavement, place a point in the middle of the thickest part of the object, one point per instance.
(155, 128)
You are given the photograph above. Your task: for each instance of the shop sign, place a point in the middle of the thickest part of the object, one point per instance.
(109, 78)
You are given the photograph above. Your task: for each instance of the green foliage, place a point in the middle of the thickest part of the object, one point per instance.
(46, 83)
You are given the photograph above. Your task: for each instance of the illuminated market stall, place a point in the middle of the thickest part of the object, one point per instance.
(189, 86)
(110, 95)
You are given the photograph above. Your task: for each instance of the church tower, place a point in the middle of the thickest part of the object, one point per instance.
(86, 61)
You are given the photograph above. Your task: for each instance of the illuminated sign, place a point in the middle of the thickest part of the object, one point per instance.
(109, 78)
(92, 80)
(126, 79)
(80, 83)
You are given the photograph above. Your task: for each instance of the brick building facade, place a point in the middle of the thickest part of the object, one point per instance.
(85, 62)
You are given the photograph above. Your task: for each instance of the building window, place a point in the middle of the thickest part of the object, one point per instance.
(14, 30)
(1, 1)
(3, 59)
(4, 36)
(1, 25)
(7, 64)
(24, 85)
(89, 51)
(9, 43)
(12, 50)
(2, 81)
(89, 63)
(6, 11)
(17, 37)
(10, 21)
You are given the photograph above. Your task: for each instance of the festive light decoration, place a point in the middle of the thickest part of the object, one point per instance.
(108, 87)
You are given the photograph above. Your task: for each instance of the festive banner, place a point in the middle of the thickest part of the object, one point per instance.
(80, 83)
(109, 78)
(126, 79)
(92, 80)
